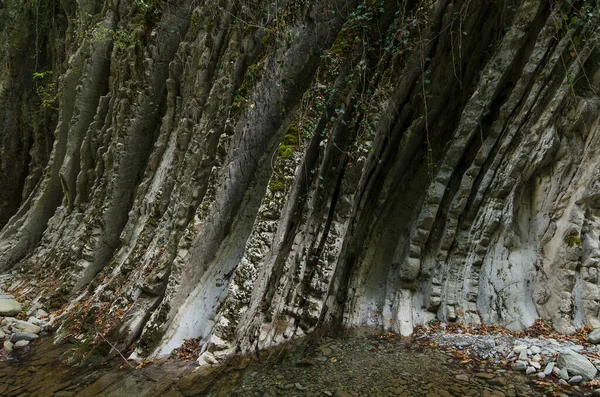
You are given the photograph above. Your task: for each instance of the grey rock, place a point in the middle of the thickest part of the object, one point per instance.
(485, 344)
(20, 344)
(562, 382)
(8, 346)
(576, 348)
(535, 365)
(24, 326)
(594, 336)
(519, 365)
(9, 307)
(575, 379)
(541, 375)
(523, 355)
(549, 368)
(536, 358)
(535, 350)
(563, 374)
(596, 393)
(576, 364)
(519, 348)
(19, 336)
(530, 370)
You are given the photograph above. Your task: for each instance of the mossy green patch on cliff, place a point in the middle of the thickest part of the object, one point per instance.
(573, 240)
(277, 185)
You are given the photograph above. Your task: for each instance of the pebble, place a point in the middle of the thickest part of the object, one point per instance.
(21, 343)
(576, 348)
(8, 346)
(541, 375)
(536, 365)
(523, 355)
(549, 368)
(562, 382)
(535, 349)
(596, 393)
(19, 336)
(518, 349)
(530, 370)
(9, 307)
(519, 366)
(575, 380)
(563, 374)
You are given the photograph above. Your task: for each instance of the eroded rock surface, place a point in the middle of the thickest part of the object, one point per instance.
(242, 173)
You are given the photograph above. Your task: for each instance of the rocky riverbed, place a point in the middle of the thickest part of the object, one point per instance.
(19, 325)
(441, 360)
(352, 365)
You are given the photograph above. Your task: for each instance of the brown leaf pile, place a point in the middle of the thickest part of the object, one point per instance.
(189, 350)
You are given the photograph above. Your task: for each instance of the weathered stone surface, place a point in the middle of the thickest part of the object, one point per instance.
(28, 336)
(576, 364)
(9, 307)
(8, 346)
(594, 336)
(21, 344)
(201, 171)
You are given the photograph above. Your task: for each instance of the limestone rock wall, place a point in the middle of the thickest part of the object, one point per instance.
(245, 172)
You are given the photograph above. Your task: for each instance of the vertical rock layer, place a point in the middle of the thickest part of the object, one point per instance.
(247, 172)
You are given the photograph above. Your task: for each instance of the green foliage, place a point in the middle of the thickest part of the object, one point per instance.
(573, 240)
(290, 142)
(47, 90)
(277, 185)
(120, 38)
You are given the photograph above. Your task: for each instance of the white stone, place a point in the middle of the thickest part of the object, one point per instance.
(9, 307)
(21, 344)
(519, 348)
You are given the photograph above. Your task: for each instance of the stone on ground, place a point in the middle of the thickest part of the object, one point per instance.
(18, 336)
(21, 343)
(576, 364)
(9, 307)
(594, 336)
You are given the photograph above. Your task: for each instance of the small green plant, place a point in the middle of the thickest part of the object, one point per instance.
(573, 240)
(120, 38)
(47, 90)
(277, 185)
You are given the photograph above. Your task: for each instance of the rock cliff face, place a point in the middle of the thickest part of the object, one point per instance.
(245, 172)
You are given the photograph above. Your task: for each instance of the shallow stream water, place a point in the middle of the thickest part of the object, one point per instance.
(363, 365)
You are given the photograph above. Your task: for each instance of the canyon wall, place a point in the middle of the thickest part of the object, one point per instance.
(245, 172)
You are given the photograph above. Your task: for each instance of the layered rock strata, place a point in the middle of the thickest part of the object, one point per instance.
(243, 173)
